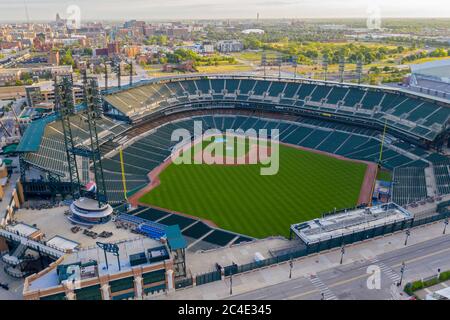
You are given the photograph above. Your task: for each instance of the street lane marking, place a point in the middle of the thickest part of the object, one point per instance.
(301, 294)
(397, 265)
(422, 257)
(362, 275)
(298, 287)
(348, 280)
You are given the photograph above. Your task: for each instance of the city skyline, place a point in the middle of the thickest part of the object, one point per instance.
(44, 10)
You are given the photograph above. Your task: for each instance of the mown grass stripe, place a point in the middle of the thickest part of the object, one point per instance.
(239, 199)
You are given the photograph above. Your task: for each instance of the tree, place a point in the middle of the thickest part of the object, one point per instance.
(163, 60)
(67, 59)
(87, 52)
(252, 42)
(374, 69)
(439, 52)
(25, 76)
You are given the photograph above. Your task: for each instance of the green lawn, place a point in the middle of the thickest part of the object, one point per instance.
(238, 198)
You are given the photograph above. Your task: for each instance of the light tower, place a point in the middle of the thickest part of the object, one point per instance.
(93, 104)
(119, 74)
(64, 104)
(90, 204)
(106, 76)
(264, 62)
(294, 63)
(279, 61)
(325, 61)
(359, 69)
(341, 67)
(131, 73)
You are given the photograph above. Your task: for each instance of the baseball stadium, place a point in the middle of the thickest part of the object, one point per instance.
(333, 137)
(338, 146)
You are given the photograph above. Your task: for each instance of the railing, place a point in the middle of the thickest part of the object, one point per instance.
(33, 244)
(208, 277)
(13, 258)
(183, 283)
(252, 76)
(15, 273)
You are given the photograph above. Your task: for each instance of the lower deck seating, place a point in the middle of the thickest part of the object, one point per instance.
(152, 214)
(409, 185)
(197, 230)
(151, 222)
(442, 174)
(333, 137)
(219, 237)
(146, 153)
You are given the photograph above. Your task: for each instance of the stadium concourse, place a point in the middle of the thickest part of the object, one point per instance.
(342, 119)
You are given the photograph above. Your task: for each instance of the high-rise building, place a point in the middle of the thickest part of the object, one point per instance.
(53, 57)
(113, 49)
(230, 46)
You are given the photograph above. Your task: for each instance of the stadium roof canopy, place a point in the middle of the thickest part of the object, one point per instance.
(32, 137)
(439, 69)
(10, 148)
(174, 238)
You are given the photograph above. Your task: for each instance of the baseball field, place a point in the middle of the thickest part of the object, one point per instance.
(238, 198)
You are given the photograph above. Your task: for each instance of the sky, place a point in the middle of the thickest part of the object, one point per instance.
(14, 10)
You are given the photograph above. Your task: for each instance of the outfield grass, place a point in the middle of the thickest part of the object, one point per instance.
(238, 198)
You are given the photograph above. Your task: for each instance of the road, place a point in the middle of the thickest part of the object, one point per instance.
(350, 282)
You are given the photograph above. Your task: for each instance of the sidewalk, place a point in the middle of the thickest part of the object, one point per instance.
(15, 286)
(422, 293)
(312, 264)
(8, 194)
